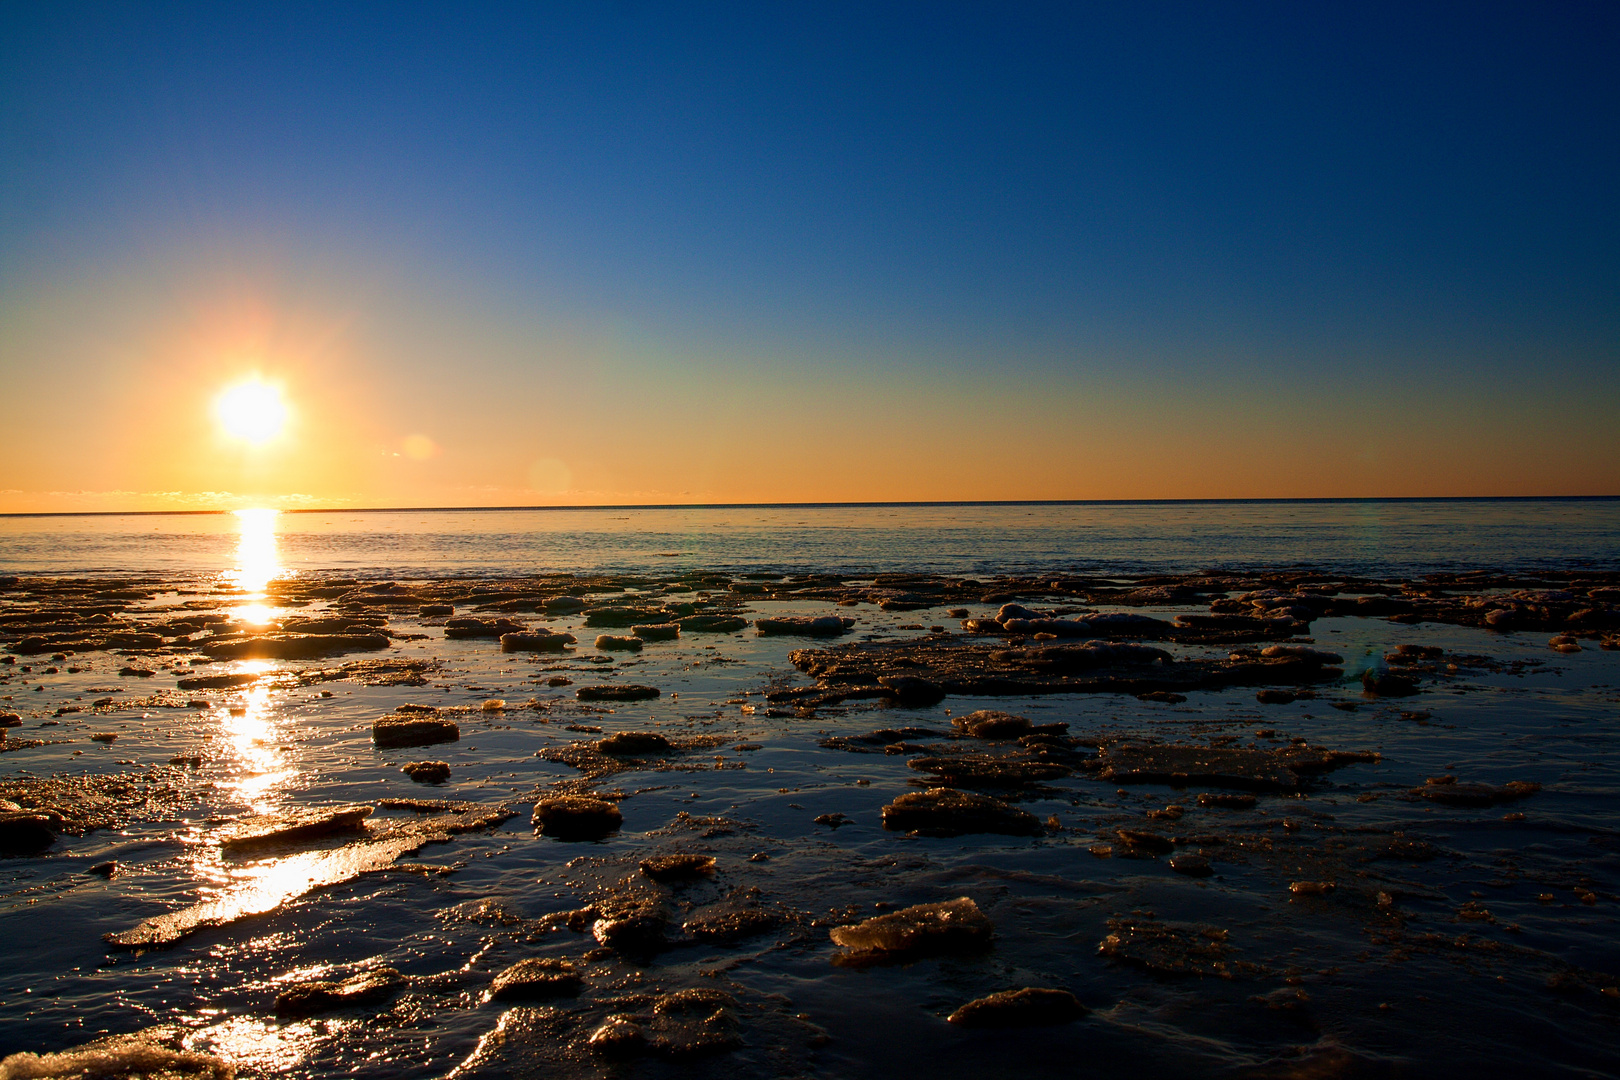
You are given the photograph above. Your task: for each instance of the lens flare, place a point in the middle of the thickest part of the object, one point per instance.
(252, 411)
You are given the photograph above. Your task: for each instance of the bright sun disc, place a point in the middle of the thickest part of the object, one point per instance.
(252, 411)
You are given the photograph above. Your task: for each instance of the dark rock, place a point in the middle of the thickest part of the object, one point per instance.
(537, 977)
(635, 744)
(739, 915)
(1168, 948)
(948, 812)
(881, 737)
(832, 820)
(639, 932)
(395, 731)
(1070, 628)
(1226, 801)
(1145, 843)
(804, 626)
(1411, 654)
(1387, 685)
(1128, 624)
(1282, 769)
(612, 643)
(618, 1036)
(104, 869)
(964, 666)
(158, 1053)
(294, 646)
(536, 641)
(1303, 653)
(1164, 696)
(306, 824)
(434, 611)
(628, 616)
(25, 833)
(922, 930)
(980, 770)
(1451, 793)
(656, 631)
(609, 692)
(1274, 697)
(576, 817)
(678, 867)
(712, 624)
(1250, 626)
(312, 998)
(480, 628)
(909, 690)
(1029, 1007)
(216, 682)
(1191, 865)
(990, 724)
(427, 772)
(683, 1025)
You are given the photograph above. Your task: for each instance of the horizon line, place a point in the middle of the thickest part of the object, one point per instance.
(817, 505)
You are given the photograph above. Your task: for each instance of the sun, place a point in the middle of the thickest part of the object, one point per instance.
(252, 411)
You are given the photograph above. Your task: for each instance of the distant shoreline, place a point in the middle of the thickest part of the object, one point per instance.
(1371, 499)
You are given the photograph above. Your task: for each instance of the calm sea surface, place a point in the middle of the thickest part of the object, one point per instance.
(1472, 941)
(1359, 536)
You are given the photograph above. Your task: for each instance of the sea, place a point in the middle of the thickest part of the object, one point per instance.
(1350, 536)
(1430, 938)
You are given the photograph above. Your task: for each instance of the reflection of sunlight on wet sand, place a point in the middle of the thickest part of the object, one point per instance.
(258, 562)
(251, 738)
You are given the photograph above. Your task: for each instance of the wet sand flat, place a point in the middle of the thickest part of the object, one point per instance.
(1258, 823)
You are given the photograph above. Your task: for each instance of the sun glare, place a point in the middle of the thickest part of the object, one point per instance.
(252, 411)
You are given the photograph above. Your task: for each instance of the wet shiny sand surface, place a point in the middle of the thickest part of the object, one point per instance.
(1452, 938)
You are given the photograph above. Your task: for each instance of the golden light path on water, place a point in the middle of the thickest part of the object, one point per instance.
(258, 562)
(250, 727)
(251, 736)
(259, 773)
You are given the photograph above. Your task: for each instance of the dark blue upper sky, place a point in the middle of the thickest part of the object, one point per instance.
(1276, 187)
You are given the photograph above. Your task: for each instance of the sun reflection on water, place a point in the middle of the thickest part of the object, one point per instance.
(266, 1046)
(251, 736)
(258, 562)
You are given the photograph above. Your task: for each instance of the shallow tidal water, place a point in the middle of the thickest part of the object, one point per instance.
(1494, 951)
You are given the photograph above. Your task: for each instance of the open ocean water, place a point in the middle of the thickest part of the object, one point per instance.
(1376, 536)
(1433, 937)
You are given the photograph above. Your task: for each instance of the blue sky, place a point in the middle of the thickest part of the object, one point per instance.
(1241, 205)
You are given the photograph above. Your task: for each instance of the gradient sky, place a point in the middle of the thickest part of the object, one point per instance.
(608, 253)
